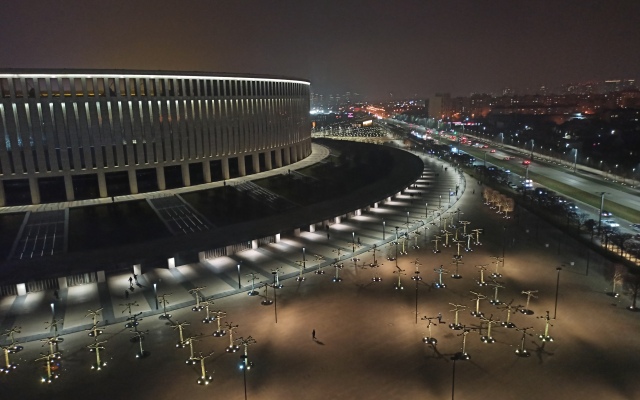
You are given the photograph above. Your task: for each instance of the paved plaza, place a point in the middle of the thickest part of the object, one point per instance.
(368, 342)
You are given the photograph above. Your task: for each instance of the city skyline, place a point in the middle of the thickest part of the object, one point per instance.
(375, 48)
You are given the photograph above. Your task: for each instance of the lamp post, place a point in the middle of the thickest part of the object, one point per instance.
(383, 229)
(575, 160)
(353, 242)
(555, 309)
(439, 201)
(426, 213)
(155, 293)
(239, 282)
(600, 213)
(245, 365)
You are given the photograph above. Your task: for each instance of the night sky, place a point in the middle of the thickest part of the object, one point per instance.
(374, 47)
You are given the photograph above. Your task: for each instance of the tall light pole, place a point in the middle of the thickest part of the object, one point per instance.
(383, 231)
(600, 213)
(555, 309)
(575, 160)
(239, 282)
(155, 293)
(426, 213)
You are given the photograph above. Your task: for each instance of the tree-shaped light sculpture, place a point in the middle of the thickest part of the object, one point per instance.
(405, 244)
(231, 328)
(8, 366)
(529, 294)
(338, 267)
(415, 237)
(429, 339)
(49, 358)
(319, 270)
(14, 347)
(180, 326)
(253, 278)
(128, 306)
(476, 313)
(457, 261)
(458, 244)
(338, 251)
(276, 278)
(94, 331)
(208, 318)
(447, 234)
(245, 364)
(376, 276)
(204, 378)
(139, 337)
(374, 250)
(522, 352)
(510, 310)
(392, 251)
(463, 355)
(467, 247)
(440, 271)
(456, 325)
(547, 323)
(476, 233)
(490, 322)
(96, 347)
(398, 284)
(436, 240)
(496, 285)
(54, 324)
(497, 261)
(481, 268)
(416, 275)
(163, 299)
(134, 321)
(219, 315)
(52, 342)
(302, 265)
(189, 342)
(197, 292)
(464, 227)
(266, 301)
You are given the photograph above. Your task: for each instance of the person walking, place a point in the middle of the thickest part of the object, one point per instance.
(313, 334)
(135, 277)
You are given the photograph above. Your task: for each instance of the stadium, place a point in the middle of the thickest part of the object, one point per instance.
(83, 134)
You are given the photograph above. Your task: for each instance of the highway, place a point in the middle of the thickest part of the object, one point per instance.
(591, 184)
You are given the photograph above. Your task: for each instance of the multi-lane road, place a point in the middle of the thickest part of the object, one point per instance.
(589, 184)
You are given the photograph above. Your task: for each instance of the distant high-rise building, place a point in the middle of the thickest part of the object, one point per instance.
(438, 106)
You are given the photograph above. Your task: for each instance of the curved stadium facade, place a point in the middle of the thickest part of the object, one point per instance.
(71, 135)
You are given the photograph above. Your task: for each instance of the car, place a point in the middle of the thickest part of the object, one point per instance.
(606, 213)
(571, 206)
(512, 185)
(635, 227)
(609, 223)
(493, 150)
(526, 162)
